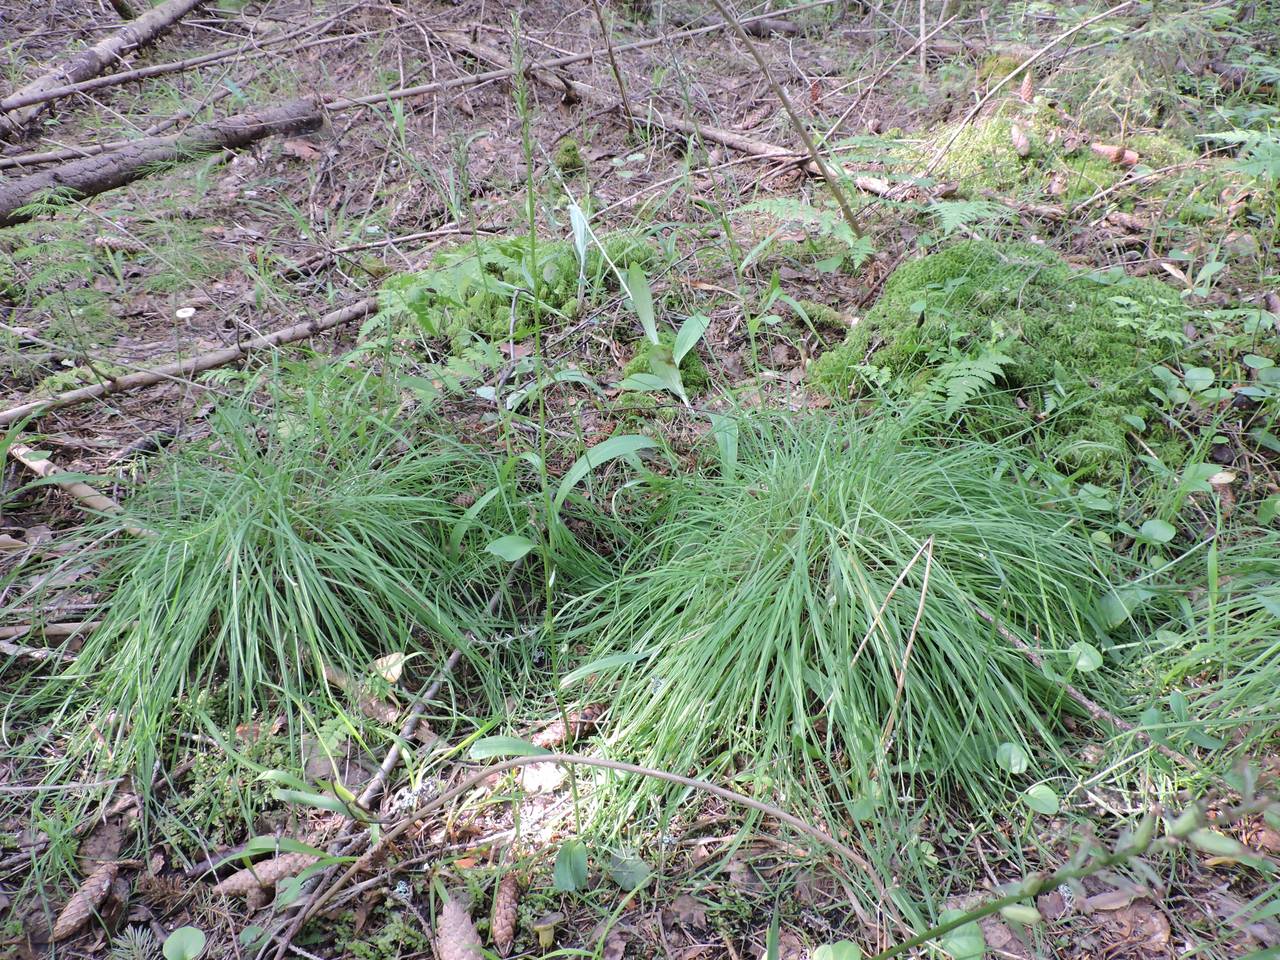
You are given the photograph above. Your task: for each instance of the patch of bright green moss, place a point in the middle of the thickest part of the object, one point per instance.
(998, 66)
(693, 372)
(488, 288)
(568, 158)
(1078, 343)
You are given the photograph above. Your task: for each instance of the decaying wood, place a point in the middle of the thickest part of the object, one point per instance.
(14, 631)
(84, 494)
(90, 176)
(181, 369)
(92, 61)
(21, 652)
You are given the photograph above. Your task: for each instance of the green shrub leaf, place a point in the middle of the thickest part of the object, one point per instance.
(185, 943)
(1042, 799)
(1156, 530)
(511, 547)
(964, 942)
(840, 950)
(570, 872)
(1011, 758)
(1085, 657)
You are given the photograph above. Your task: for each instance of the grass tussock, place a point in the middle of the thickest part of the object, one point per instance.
(311, 530)
(811, 613)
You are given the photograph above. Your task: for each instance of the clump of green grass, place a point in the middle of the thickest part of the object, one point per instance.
(811, 616)
(314, 529)
(1012, 321)
(1212, 664)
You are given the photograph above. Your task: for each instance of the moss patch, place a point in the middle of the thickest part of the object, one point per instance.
(568, 158)
(483, 288)
(1054, 341)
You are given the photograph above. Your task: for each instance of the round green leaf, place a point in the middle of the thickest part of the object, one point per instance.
(185, 943)
(1156, 530)
(511, 547)
(1085, 657)
(1011, 758)
(965, 942)
(1042, 799)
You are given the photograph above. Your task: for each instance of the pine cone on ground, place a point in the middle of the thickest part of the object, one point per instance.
(506, 899)
(456, 937)
(84, 902)
(264, 874)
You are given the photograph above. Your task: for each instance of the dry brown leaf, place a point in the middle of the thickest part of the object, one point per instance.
(1272, 302)
(1021, 142)
(1125, 158)
(84, 902)
(456, 937)
(10, 544)
(1141, 924)
(1109, 900)
(299, 149)
(686, 910)
(1128, 221)
(506, 900)
(559, 733)
(264, 874)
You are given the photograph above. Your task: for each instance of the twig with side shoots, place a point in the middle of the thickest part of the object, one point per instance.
(1019, 71)
(1186, 829)
(802, 131)
(181, 369)
(443, 799)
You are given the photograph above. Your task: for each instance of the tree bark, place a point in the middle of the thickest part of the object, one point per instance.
(90, 176)
(97, 58)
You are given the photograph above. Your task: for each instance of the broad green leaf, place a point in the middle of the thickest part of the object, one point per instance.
(630, 873)
(185, 943)
(570, 872)
(690, 333)
(504, 747)
(463, 524)
(511, 547)
(637, 285)
(1156, 530)
(1085, 657)
(1120, 603)
(1197, 378)
(642, 382)
(275, 845)
(318, 800)
(1042, 799)
(1269, 509)
(1012, 758)
(624, 446)
(964, 942)
(840, 950)
(581, 233)
(725, 431)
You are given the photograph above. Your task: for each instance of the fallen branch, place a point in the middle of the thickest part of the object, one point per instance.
(90, 62)
(59, 630)
(85, 495)
(90, 176)
(27, 97)
(20, 652)
(1095, 710)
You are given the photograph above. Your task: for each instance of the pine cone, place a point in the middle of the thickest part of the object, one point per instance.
(456, 937)
(505, 901)
(84, 901)
(264, 874)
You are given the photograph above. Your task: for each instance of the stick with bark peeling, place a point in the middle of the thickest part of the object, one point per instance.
(180, 369)
(93, 175)
(92, 61)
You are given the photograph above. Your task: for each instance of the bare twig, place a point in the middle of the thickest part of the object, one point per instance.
(802, 131)
(69, 629)
(185, 368)
(613, 64)
(84, 494)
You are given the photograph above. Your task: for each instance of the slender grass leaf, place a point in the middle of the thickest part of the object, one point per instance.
(491, 747)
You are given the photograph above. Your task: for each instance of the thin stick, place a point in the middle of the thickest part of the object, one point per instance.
(796, 823)
(801, 130)
(613, 63)
(69, 629)
(977, 107)
(84, 494)
(185, 368)
(33, 653)
(1095, 710)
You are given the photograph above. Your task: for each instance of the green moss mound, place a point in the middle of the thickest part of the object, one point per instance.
(486, 288)
(568, 158)
(1012, 338)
